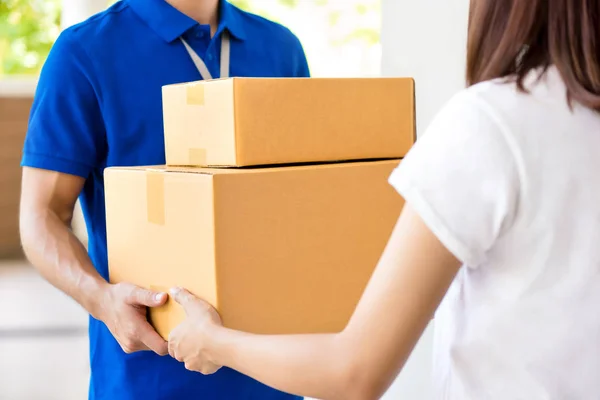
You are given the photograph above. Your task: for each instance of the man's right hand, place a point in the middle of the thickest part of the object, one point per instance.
(123, 310)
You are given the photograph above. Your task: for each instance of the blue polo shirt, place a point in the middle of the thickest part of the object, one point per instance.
(98, 104)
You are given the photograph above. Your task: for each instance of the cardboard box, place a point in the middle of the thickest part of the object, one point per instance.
(261, 121)
(275, 250)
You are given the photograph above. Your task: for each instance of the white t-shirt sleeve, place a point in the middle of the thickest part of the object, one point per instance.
(461, 178)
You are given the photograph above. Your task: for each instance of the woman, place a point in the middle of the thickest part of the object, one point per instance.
(502, 222)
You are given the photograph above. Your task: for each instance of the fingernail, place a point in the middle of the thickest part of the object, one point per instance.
(175, 290)
(159, 296)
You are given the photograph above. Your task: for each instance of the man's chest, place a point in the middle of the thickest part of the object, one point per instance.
(132, 99)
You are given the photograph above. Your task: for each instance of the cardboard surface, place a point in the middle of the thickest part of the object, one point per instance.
(263, 121)
(276, 250)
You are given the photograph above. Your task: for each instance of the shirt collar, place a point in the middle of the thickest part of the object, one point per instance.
(170, 23)
(231, 18)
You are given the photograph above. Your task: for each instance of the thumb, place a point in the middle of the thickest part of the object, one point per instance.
(147, 298)
(184, 298)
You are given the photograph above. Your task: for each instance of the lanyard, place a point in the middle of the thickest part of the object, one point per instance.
(225, 56)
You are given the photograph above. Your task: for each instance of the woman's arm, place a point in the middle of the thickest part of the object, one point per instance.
(407, 286)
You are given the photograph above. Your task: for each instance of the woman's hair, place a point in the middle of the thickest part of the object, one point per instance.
(510, 38)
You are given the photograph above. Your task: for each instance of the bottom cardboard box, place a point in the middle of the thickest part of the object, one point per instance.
(275, 250)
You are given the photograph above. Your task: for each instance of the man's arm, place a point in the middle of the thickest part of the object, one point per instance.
(65, 142)
(47, 204)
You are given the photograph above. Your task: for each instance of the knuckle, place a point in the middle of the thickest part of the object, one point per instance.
(129, 337)
(144, 296)
(209, 369)
(130, 345)
(126, 349)
(161, 348)
(123, 293)
(174, 336)
(162, 351)
(174, 353)
(134, 295)
(123, 288)
(133, 332)
(148, 298)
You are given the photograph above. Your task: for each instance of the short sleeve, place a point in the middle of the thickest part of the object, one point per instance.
(66, 131)
(301, 69)
(461, 178)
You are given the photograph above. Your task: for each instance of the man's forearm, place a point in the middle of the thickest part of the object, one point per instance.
(61, 258)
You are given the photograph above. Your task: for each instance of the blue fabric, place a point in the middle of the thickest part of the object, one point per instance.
(98, 104)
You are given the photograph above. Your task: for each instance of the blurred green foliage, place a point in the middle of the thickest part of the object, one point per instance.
(28, 28)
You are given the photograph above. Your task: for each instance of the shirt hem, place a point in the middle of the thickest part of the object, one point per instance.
(57, 164)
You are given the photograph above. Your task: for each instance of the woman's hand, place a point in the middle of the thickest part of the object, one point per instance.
(190, 341)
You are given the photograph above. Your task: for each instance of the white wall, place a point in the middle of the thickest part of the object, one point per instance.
(424, 39)
(75, 11)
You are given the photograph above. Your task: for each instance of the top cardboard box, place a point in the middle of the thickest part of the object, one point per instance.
(264, 121)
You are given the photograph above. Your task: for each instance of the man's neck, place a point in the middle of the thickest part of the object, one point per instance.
(205, 12)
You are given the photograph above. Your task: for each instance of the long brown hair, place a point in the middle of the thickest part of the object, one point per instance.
(510, 38)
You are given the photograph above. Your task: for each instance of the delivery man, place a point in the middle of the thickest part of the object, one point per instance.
(98, 104)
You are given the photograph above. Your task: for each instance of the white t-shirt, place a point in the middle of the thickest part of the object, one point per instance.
(510, 183)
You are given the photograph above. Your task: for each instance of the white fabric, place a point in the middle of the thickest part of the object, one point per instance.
(510, 183)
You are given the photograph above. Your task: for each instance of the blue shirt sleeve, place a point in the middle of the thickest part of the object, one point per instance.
(66, 131)
(301, 63)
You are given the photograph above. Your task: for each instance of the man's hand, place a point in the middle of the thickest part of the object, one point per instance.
(189, 342)
(123, 310)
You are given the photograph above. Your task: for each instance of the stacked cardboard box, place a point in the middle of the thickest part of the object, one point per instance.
(274, 206)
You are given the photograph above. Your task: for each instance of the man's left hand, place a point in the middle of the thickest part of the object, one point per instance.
(190, 341)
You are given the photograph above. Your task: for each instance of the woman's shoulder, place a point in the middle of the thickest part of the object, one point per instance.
(506, 105)
(540, 91)
(483, 101)
(493, 94)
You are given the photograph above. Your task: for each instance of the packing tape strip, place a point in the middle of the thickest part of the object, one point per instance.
(155, 197)
(197, 156)
(195, 95)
